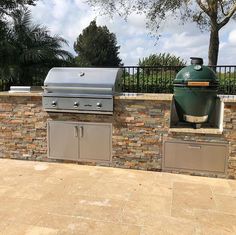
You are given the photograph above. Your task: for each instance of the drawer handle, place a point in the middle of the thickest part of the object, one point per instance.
(81, 130)
(194, 147)
(76, 131)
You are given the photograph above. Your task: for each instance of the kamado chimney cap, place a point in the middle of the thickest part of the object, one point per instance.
(196, 61)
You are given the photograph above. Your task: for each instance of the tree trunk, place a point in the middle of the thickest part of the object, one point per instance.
(213, 47)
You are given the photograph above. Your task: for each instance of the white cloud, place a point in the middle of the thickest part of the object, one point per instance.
(184, 40)
(232, 37)
(69, 17)
(60, 9)
(138, 21)
(81, 5)
(227, 53)
(184, 45)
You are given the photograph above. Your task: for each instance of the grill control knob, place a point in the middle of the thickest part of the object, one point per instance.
(54, 103)
(99, 105)
(76, 104)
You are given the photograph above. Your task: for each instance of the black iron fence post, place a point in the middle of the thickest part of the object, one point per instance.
(138, 80)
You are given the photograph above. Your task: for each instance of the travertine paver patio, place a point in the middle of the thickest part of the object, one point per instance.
(41, 198)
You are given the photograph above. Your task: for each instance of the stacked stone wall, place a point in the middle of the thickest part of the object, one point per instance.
(230, 136)
(139, 129)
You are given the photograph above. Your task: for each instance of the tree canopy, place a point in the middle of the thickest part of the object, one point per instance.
(28, 51)
(7, 7)
(161, 59)
(209, 15)
(96, 46)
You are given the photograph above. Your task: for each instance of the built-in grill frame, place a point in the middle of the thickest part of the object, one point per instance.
(84, 94)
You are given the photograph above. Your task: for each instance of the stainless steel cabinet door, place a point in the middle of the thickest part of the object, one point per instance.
(95, 141)
(63, 140)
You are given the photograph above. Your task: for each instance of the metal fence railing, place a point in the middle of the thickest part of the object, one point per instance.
(138, 79)
(4, 85)
(147, 79)
(227, 78)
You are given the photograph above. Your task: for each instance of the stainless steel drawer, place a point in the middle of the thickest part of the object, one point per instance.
(192, 156)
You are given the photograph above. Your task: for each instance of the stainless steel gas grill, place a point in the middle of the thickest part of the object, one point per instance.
(81, 90)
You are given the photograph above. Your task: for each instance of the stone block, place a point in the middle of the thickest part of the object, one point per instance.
(6, 107)
(129, 119)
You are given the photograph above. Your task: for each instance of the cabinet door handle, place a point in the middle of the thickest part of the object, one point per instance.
(81, 130)
(76, 131)
(194, 147)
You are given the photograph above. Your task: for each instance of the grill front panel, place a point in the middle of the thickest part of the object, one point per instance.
(68, 104)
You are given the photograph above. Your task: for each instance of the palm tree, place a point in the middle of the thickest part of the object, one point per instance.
(28, 51)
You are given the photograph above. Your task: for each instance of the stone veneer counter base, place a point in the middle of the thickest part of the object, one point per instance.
(140, 125)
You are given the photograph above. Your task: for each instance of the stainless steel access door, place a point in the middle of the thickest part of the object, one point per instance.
(63, 140)
(95, 141)
(195, 156)
(79, 141)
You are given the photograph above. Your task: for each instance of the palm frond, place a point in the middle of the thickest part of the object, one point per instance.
(30, 49)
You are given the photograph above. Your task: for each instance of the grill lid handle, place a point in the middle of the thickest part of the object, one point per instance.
(77, 88)
(204, 84)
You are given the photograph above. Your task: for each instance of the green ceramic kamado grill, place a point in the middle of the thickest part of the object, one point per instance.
(195, 92)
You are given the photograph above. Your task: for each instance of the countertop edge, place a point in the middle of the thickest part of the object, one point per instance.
(145, 96)
(21, 94)
(228, 100)
(212, 131)
(123, 96)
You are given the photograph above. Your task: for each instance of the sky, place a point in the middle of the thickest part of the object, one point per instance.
(68, 18)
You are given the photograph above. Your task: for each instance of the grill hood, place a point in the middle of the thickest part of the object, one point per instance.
(81, 90)
(81, 81)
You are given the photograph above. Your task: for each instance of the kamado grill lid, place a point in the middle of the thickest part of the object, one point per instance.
(196, 75)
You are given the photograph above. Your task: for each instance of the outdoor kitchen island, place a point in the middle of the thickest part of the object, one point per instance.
(140, 126)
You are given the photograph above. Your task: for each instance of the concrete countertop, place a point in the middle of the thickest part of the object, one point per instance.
(144, 96)
(21, 94)
(165, 97)
(228, 100)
